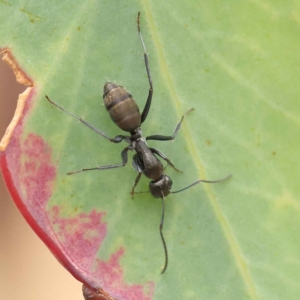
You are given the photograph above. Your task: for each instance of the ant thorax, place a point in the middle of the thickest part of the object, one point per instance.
(136, 136)
(140, 132)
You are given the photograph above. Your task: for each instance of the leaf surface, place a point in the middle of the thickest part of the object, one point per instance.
(237, 65)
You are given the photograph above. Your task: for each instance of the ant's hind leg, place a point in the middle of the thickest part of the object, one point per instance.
(117, 139)
(168, 137)
(150, 93)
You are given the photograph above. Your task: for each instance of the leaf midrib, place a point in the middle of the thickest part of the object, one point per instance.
(224, 224)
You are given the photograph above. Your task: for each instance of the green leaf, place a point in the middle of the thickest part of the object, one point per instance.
(237, 64)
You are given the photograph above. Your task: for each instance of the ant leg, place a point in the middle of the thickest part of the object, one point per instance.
(136, 165)
(168, 137)
(124, 155)
(160, 154)
(117, 139)
(149, 99)
(137, 179)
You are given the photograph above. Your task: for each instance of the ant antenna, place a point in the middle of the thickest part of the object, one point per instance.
(161, 225)
(198, 181)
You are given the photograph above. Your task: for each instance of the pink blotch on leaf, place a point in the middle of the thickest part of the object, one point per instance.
(80, 236)
(112, 277)
(30, 167)
(29, 172)
(36, 169)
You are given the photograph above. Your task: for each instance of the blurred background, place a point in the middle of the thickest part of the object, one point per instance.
(28, 270)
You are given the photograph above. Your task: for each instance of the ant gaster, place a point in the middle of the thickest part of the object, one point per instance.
(125, 113)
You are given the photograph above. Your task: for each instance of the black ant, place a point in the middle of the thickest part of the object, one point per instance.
(124, 111)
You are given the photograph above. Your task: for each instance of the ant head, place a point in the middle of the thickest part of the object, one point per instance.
(161, 187)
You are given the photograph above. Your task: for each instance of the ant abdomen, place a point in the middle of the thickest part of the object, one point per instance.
(122, 108)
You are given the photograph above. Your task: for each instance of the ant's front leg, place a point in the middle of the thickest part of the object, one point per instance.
(160, 154)
(136, 165)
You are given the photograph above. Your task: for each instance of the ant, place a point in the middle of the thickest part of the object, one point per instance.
(125, 113)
